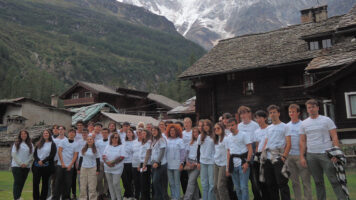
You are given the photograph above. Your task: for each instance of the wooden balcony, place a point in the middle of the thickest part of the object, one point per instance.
(78, 102)
(294, 92)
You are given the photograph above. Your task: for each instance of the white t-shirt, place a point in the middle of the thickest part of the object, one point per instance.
(122, 136)
(112, 153)
(89, 158)
(174, 148)
(317, 133)
(101, 145)
(276, 135)
(143, 150)
(136, 153)
(78, 136)
(156, 150)
(187, 137)
(207, 150)
(236, 144)
(228, 132)
(260, 137)
(69, 149)
(44, 152)
(220, 153)
(57, 141)
(294, 132)
(23, 154)
(193, 151)
(98, 136)
(128, 148)
(249, 128)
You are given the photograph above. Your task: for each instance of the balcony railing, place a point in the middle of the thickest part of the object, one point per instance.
(80, 101)
(293, 92)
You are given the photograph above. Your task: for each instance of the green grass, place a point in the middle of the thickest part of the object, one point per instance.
(6, 181)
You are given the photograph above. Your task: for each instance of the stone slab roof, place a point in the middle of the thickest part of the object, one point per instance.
(252, 51)
(332, 60)
(348, 19)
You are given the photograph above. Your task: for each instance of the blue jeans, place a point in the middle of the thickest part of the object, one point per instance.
(157, 179)
(240, 180)
(174, 183)
(207, 181)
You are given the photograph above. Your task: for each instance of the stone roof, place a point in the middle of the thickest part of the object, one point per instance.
(349, 19)
(100, 88)
(163, 100)
(252, 51)
(188, 107)
(333, 60)
(132, 119)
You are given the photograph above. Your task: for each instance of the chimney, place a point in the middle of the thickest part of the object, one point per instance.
(54, 100)
(316, 14)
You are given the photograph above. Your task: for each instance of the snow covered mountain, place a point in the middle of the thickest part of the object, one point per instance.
(207, 21)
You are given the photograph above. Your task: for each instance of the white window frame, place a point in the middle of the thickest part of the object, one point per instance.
(90, 95)
(75, 94)
(348, 105)
(325, 106)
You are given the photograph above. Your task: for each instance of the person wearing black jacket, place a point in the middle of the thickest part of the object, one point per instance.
(43, 165)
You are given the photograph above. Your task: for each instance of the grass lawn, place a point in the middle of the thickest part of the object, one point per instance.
(6, 181)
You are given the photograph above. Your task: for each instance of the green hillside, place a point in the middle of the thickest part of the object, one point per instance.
(45, 45)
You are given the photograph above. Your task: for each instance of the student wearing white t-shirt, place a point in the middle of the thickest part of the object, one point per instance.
(175, 158)
(206, 152)
(220, 179)
(315, 134)
(113, 156)
(187, 136)
(22, 156)
(239, 154)
(68, 154)
(57, 140)
(88, 168)
(157, 153)
(260, 136)
(136, 164)
(43, 165)
(192, 191)
(97, 131)
(102, 184)
(145, 165)
(127, 174)
(277, 140)
(79, 139)
(81, 143)
(295, 169)
(80, 127)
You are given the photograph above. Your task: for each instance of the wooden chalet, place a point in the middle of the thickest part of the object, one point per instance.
(290, 65)
(127, 101)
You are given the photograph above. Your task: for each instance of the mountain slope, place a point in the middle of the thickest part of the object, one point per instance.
(45, 45)
(207, 21)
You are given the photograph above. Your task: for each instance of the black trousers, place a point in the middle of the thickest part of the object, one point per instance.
(276, 182)
(20, 176)
(63, 183)
(136, 176)
(230, 189)
(74, 181)
(145, 180)
(254, 176)
(40, 173)
(184, 180)
(127, 180)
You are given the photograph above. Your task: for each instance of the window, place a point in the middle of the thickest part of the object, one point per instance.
(313, 45)
(230, 77)
(329, 109)
(87, 94)
(326, 43)
(350, 100)
(75, 96)
(248, 88)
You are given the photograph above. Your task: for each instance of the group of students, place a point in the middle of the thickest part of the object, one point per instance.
(225, 155)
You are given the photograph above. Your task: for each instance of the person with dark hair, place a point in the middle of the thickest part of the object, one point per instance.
(88, 168)
(81, 143)
(22, 156)
(157, 153)
(206, 152)
(80, 127)
(113, 156)
(102, 184)
(145, 165)
(57, 140)
(200, 125)
(225, 121)
(43, 165)
(55, 131)
(296, 170)
(162, 126)
(136, 164)
(277, 146)
(260, 135)
(239, 154)
(317, 136)
(220, 179)
(127, 174)
(123, 131)
(97, 131)
(90, 127)
(175, 158)
(68, 154)
(112, 127)
(192, 191)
